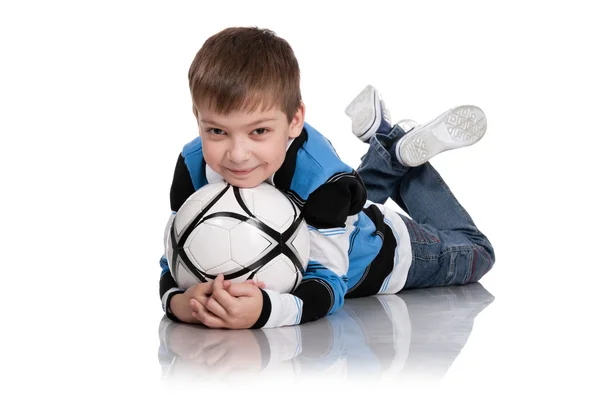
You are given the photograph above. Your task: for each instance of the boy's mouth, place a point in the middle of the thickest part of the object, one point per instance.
(241, 172)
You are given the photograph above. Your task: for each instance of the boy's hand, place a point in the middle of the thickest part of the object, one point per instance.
(231, 305)
(180, 303)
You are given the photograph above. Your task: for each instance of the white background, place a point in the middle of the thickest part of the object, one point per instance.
(94, 109)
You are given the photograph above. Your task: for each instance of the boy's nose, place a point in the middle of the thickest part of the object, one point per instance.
(239, 154)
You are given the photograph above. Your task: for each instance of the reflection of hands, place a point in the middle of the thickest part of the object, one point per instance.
(206, 351)
(231, 305)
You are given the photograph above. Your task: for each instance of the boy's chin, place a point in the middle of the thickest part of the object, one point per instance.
(250, 183)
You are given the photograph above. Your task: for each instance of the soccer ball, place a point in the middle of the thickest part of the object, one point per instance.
(244, 233)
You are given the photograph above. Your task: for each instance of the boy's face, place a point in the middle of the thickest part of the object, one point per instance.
(247, 148)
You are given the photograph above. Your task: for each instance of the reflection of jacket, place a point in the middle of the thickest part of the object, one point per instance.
(416, 333)
(347, 232)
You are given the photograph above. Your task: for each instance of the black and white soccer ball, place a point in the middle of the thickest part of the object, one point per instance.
(245, 233)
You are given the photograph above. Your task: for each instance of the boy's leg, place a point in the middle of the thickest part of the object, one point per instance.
(380, 172)
(447, 247)
(371, 124)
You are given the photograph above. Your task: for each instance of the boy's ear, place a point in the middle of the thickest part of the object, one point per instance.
(297, 122)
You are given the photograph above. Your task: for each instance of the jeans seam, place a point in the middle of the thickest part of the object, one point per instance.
(458, 249)
(448, 191)
(382, 151)
(432, 258)
(450, 270)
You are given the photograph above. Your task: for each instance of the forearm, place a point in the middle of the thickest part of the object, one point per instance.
(312, 300)
(181, 189)
(174, 301)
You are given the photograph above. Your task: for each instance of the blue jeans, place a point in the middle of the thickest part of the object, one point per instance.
(447, 247)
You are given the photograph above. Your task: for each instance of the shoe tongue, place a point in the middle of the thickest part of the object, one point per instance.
(407, 124)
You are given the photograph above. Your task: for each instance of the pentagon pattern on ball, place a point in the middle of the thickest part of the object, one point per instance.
(275, 211)
(273, 270)
(248, 245)
(245, 233)
(214, 251)
(198, 200)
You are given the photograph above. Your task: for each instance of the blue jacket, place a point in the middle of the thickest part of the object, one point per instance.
(347, 232)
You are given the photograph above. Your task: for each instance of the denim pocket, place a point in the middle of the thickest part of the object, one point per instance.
(442, 269)
(464, 265)
(420, 234)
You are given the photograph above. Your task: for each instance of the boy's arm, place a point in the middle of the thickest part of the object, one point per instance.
(329, 211)
(322, 289)
(320, 293)
(315, 298)
(330, 205)
(181, 188)
(167, 290)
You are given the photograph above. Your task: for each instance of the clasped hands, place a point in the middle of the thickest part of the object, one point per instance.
(220, 303)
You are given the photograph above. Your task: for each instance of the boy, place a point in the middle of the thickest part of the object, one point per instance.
(246, 98)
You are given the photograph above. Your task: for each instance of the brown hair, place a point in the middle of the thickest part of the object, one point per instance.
(245, 68)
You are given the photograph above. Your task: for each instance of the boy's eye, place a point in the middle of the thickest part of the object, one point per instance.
(215, 131)
(259, 131)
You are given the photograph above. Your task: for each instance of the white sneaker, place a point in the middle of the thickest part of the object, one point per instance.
(407, 125)
(459, 127)
(368, 114)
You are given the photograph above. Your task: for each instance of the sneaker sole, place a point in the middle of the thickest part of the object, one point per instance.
(459, 127)
(365, 113)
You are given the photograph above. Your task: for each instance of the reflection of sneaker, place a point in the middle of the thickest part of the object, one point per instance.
(459, 127)
(368, 114)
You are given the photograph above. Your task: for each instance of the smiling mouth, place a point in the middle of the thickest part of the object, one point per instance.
(241, 172)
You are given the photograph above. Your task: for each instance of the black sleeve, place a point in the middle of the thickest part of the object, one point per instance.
(316, 297)
(316, 301)
(181, 189)
(167, 282)
(330, 205)
(265, 313)
(182, 186)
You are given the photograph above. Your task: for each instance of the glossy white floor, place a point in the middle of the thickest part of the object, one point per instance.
(94, 111)
(418, 334)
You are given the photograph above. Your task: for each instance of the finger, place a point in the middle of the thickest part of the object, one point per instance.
(241, 289)
(201, 289)
(195, 304)
(197, 316)
(209, 319)
(223, 296)
(213, 305)
(218, 282)
(209, 288)
(198, 308)
(256, 283)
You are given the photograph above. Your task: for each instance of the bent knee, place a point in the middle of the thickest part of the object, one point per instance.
(484, 258)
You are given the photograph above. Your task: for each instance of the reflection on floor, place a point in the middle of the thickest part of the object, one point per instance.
(418, 333)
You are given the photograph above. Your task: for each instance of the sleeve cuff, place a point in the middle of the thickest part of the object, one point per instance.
(166, 302)
(279, 310)
(265, 313)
